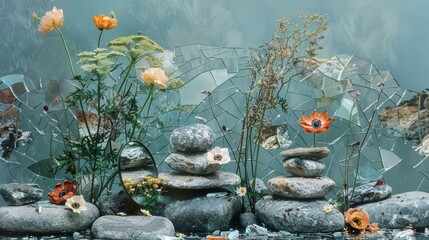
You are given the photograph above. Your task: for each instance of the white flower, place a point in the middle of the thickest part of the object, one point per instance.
(76, 203)
(145, 212)
(328, 208)
(218, 155)
(241, 191)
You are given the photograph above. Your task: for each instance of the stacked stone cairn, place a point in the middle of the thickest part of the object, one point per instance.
(198, 203)
(298, 204)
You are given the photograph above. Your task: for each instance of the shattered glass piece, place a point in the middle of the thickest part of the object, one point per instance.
(367, 174)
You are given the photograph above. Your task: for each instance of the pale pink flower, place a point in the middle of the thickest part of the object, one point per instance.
(51, 19)
(155, 76)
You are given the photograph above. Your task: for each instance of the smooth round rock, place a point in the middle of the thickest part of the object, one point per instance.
(370, 192)
(304, 168)
(297, 187)
(135, 156)
(313, 153)
(410, 208)
(184, 181)
(16, 194)
(192, 163)
(132, 227)
(299, 216)
(53, 219)
(248, 218)
(193, 138)
(204, 214)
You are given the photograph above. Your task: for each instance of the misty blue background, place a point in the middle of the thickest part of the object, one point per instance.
(393, 34)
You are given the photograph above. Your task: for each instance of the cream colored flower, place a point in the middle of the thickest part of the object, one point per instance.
(241, 191)
(76, 203)
(145, 212)
(328, 208)
(51, 19)
(155, 76)
(218, 155)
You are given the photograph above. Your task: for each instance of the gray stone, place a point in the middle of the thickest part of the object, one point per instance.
(132, 227)
(218, 179)
(299, 216)
(370, 192)
(260, 186)
(192, 163)
(136, 175)
(52, 219)
(119, 202)
(313, 153)
(297, 187)
(16, 194)
(304, 168)
(400, 210)
(204, 214)
(248, 218)
(193, 138)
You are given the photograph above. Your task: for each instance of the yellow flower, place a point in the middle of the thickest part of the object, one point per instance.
(328, 208)
(51, 19)
(155, 76)
(145, 212)
(76, 203)
(103, 22)
(241, 191)
(180, 235)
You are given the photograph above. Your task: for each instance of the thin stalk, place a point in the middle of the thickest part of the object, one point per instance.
(141, 110)
(99, 38)
(67, 51)
(314, 139)
(363, 141)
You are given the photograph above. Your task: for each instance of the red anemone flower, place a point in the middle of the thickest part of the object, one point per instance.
(62, 192)
(316, 123)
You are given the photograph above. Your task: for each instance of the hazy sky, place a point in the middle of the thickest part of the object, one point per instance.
(393, 34)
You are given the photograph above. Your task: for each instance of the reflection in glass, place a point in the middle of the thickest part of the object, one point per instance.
(139, 176)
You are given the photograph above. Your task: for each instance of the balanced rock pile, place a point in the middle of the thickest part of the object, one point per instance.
(298, 204)
(198, 203)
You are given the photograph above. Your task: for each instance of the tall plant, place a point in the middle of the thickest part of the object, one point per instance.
(111, 104)
(273, 65)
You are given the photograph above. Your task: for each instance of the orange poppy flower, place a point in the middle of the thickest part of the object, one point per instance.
(357, 219)
(62, 192)
(104, 22)
(316, 123)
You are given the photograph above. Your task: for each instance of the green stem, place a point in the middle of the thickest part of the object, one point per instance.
(126, 75)
(67, 50)
(99, 38)
(148, 110)
(314, 139)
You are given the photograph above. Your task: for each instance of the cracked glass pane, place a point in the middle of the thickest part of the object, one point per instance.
(367, 105)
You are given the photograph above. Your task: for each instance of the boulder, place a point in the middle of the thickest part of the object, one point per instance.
(313, 153)
(119, 202)
(299, 216)
(400, 210)
(16, 194)
(247, 219)
(304, 168)
(297, 187)
(132, 227)
(204, 214)
(370, 192)
(49, 219)
(192, 163)
(184, 181)
(135, 156)
(193, 138)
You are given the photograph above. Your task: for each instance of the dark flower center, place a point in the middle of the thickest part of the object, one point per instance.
(75, 205)
(356, 220)
(217, 157)
(63, 193)
(316, 123)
